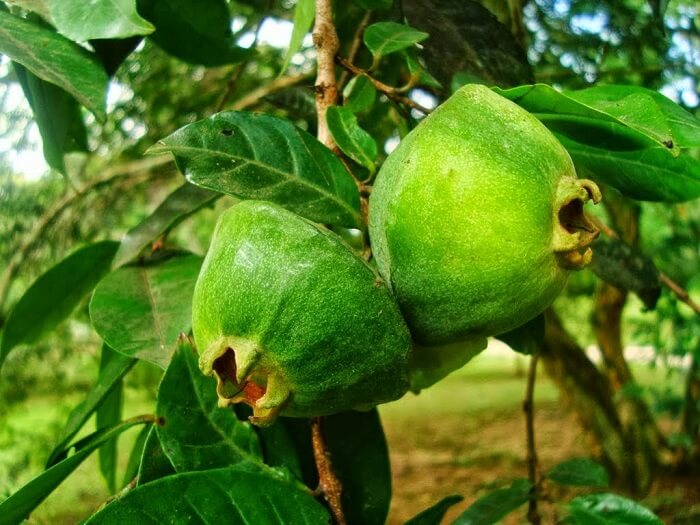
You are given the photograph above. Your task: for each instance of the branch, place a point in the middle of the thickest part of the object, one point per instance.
(676, 288)
(129, 169)
(277, 84)
(327, 44)
(355, 47)
(328, 483)
(533, 514)
(390, 91)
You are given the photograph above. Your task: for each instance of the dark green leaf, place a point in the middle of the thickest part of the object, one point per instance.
(55, 59)
(372, 5)
(257, 156)
(18, 506)
(359, 94)
(154, 463)
(433, 515)
(416, 69)
(231, 495)
(110, 376)
(358, 447)
(303, 17)
(526, 339)
(196, 433)
(627, 268)
(112, 52)
(137, 451)
(610, 509)
(384, 38)
(141, 310)
(496, 505)
(196, 32)
(57, 116)
(82, 20)
(354, 141)
(55, 294)
(177, 206)
(109, 413)
(580, 472)
(279, 448)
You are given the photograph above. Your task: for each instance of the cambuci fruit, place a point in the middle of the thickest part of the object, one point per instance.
(290, 320)
(476, 220)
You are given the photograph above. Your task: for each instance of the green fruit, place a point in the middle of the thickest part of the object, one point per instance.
(290, 320)
(477, 218)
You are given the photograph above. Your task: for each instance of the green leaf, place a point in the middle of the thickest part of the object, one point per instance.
(154, 463)
(354, 141)
(113, 52)
(83, 20)
(109, 413)
(234, 495)
(372, 5)
(55, 294)
(141, 310)
(416, 69)
(177, 206)
(360, 455)
(610, 509)
(579, 472)
(57, 116)
(110, 375)
(359, 94)
(55, 59)
(526, 339)
(384, 38)
(303, 17)
(279, 448)
(496, 505)
(258, 156)
(40, 7)
(196, 32)
(18, 506)
(197, 434)
(137, 450)
(434, 515)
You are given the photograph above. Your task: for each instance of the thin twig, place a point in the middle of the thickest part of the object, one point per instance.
(389, 91)
(275, 85)
(676, 288)
(533, 514)
(354, 47)
(328, 482)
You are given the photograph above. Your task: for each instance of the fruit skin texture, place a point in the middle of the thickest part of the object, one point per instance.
(312, 329)
(476, 219)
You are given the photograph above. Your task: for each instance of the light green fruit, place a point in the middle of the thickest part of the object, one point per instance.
(477, 218)
(290, 320)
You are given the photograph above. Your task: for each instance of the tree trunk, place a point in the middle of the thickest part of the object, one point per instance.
(691, 414)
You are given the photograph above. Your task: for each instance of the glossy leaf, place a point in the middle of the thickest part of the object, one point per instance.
(55, 294)
(384, 38)
(196, 32)
(57, 115)
(610, 509)
(416, 69)
(279, 449)
(110, 376)
(257, 156)
(83, 20)
(354, 141)
(304, 12)
(240, 498)
(496, 505)
(109, 413)
(132, 466)
(360, 455)
(141, 310)
(55, 59)
(154, 463)
(197, 434)
(580, 472)
(526, 339)
(18, 506)
(359, 94)
(177, 206)
(434, 515)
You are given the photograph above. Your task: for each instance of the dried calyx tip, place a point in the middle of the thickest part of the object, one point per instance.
(575, 231)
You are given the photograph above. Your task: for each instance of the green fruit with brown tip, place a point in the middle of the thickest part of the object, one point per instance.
(292, 321)
(476, 219)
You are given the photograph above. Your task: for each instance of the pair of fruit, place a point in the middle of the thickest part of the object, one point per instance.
(475, 221)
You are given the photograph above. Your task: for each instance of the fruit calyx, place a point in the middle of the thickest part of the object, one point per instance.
(242, 377)
(574, 232)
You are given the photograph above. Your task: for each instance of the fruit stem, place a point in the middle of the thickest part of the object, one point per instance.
(328, 483)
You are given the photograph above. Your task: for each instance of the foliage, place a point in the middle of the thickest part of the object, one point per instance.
(106, 84)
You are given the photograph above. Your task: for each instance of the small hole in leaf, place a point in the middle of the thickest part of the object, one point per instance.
(227, 132)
